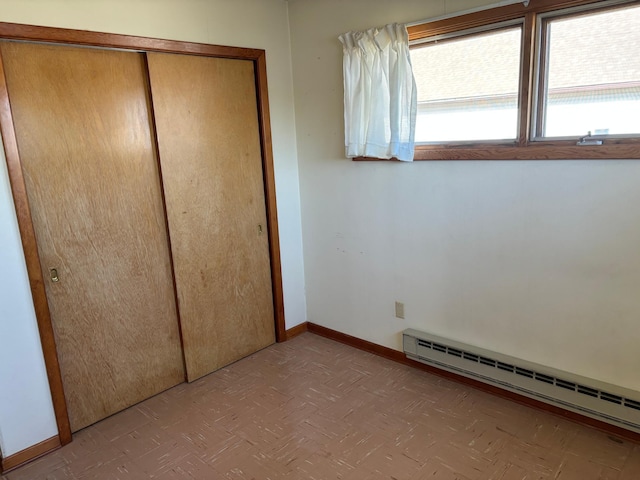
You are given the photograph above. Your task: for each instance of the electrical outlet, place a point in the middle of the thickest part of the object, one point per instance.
(399, 310)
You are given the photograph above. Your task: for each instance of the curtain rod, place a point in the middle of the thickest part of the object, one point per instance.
(465, 12)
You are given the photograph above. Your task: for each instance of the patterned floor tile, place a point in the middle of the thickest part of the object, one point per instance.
(314, 409)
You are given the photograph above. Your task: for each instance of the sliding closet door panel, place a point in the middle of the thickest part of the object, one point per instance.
(209, 144)
(85, 141)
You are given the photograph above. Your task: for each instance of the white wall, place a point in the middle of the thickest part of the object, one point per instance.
(24, 391)
(245, 23)
(539, 260)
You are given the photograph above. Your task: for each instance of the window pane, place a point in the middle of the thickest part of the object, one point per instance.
(467, 87)
(593, 74)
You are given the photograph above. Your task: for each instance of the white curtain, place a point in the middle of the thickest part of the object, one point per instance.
(380, 98)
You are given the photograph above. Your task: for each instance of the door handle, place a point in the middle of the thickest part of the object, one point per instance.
(53, 272)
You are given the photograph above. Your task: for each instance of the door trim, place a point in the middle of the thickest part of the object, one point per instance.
(12, 31)
(30, 247)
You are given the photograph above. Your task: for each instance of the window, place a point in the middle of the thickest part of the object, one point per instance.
(552, 80)
(477, 97)
(591, 78)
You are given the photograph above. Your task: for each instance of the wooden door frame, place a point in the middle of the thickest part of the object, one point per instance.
(12, 31)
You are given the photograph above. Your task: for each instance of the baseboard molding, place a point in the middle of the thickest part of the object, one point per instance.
(297, 330)
(18, 459)
(400, 357)
(28, 454)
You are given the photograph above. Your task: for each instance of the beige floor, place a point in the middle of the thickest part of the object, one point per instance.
(315, 409)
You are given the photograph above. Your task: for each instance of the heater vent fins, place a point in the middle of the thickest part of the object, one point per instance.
(539, 376)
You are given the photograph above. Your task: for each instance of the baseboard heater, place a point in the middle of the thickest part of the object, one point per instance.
(602, 401)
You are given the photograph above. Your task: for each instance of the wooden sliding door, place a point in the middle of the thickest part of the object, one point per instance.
(85, 139)
(209, 145)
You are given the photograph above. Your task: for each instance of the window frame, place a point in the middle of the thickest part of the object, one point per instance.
(469, 33)
(526, 146)
(541, 70)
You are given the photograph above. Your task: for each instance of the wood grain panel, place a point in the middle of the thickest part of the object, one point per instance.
(16, 31)
(560, 150)
(270, 192)
(210, 154)
(32, 260)
(85, 142)
(525, 92)
(487, 16)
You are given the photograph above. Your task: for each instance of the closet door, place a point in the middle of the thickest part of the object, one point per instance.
(85, 140)
(209, 145)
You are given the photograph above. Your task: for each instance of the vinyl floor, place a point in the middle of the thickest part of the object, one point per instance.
(312, 408)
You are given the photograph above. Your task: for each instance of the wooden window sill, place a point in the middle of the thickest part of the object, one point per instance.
(532, 151)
